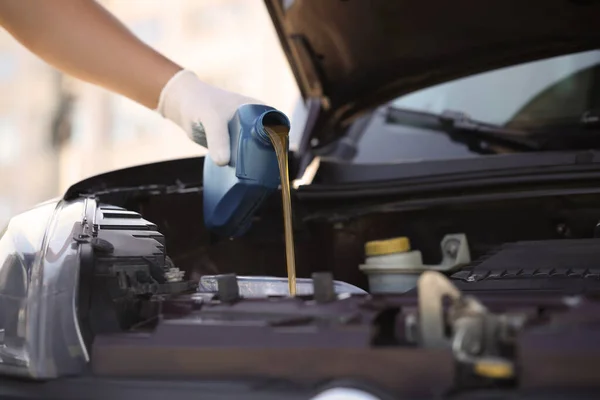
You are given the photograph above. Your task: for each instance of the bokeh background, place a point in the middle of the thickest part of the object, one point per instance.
(55, 130)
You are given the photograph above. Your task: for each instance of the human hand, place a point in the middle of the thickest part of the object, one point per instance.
(202, 111)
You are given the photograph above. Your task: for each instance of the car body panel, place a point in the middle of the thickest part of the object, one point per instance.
(354, 55)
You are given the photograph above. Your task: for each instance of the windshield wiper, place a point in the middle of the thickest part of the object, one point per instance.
(477, 135)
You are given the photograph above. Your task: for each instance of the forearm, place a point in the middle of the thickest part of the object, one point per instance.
(82, 39)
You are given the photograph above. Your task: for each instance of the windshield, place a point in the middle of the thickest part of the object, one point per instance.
(531, 96)
(556, 88)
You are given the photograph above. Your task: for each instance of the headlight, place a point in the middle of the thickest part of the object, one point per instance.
(39, 269)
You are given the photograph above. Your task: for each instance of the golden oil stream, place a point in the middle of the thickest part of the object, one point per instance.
(279, 135)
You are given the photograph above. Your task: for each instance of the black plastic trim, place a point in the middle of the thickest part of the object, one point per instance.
(182, 173)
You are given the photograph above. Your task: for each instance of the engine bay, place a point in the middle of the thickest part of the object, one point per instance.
(504, 296)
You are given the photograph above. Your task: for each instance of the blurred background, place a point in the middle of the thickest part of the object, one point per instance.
(55, 130)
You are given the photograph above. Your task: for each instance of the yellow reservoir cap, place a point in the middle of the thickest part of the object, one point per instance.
(387, 246)
(494, 369)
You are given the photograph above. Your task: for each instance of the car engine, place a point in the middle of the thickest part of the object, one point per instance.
(500, 320)
(394, 301)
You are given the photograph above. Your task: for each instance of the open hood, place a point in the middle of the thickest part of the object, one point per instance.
(355, 54)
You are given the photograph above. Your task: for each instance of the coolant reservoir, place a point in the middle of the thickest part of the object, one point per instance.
(392, 267)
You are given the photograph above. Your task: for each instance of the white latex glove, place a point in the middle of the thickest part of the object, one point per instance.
(202, 111)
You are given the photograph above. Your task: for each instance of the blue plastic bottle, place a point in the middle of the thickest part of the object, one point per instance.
(234, 192)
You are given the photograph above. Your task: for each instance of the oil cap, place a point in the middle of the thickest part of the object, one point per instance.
(387, 246)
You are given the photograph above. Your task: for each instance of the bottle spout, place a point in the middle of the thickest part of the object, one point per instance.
(272, 119)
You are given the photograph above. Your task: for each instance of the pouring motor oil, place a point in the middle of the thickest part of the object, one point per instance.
(259, 139)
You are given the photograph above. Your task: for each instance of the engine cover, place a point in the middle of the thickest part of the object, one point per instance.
(568, 266)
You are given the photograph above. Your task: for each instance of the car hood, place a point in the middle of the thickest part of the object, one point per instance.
(354, 55)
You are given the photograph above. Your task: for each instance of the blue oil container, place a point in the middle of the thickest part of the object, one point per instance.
(234, 192)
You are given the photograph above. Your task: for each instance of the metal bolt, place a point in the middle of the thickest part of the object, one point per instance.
(81, 238)
(572, 301)
(411, 328)
(323, 288)
(451, 247)
(472, 346)
(227, 287)
(563, 230)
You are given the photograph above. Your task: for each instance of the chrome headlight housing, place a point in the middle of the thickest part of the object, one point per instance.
(39, 272)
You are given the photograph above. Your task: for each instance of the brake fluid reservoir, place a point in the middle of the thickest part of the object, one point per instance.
(392, 267)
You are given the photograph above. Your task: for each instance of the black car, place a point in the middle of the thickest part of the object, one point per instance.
(466, 130)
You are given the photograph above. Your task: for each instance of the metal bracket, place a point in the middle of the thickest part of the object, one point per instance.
(455, 253)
